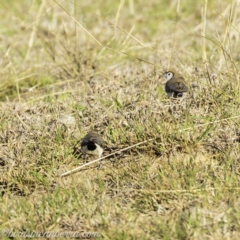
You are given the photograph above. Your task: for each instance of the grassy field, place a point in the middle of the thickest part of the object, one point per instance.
(69, 67)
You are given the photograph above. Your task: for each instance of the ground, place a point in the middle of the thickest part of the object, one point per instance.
(67, 68)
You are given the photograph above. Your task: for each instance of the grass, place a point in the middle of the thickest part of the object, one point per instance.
(67, 68)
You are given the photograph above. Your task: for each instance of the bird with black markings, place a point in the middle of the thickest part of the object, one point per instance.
(92, 144)
(175, 86)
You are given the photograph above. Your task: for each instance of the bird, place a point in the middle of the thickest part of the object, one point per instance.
(92, 144)
(175, 85)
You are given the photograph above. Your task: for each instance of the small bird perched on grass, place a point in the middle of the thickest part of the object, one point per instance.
(92, 144)
(175, 85)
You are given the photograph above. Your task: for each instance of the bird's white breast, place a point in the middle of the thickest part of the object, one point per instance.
(98, 151)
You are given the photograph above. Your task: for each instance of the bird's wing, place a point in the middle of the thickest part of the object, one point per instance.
(92, 137)
(177, 85)
(98, 140)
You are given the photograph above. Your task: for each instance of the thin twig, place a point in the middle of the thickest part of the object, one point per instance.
(99, 159)
(137, 144)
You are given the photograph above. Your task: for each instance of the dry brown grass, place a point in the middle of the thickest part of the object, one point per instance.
(58, 82)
